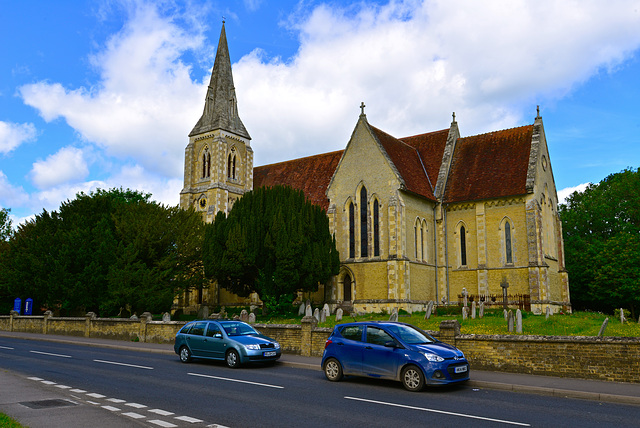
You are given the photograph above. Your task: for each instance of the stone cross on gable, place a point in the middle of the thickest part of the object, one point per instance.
(362, 106)
(504, 284)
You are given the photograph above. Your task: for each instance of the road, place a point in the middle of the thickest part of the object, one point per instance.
(159, 388)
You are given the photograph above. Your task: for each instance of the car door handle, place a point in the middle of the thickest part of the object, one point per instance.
(340, 344)
(368, 347)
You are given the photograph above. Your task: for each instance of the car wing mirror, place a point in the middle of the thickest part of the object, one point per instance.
(391, 344)
(218, 335)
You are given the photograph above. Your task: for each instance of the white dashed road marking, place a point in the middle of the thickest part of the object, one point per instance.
(236, 380)
(136, 405)
(134, 415)
(188, 419)
(162, 423)
(123, 364)
(111, 408)
(50, 354)
(161, 412)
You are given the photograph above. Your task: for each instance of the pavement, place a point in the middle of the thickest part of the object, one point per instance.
(17, 390)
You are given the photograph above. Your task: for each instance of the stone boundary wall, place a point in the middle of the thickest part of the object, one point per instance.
(614, 359)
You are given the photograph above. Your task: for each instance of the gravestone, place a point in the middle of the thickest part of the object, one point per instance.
(473, 310)
(166, 317)
(134, 317)
(464, 312)
(316, 314)
(506, 315)
(481, 314)
(427, 314)
(323, 316)
(504, 284)
(244, 315)
(301, 309)
(339, 314)
(465, 294)
(394, 315)
(308, 312)
(510, 321)
(547, 312)
(203, 312)
(252, 318)
(518, 321)
(147, 316)
(326, 310)
(603, 327)
(622, 318)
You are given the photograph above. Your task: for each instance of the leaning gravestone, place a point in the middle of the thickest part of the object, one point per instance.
(166, 317)
(518, 321)
(244, 315)
(308, 311)
(473, 310)
(252, 318)
(301, 309)
(339, 314)
(394, 315)
(427, 314)
(604, 325)
(510, 321)
(316, 314)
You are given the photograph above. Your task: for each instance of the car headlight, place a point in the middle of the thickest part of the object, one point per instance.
(254, 347)
(433, 357)
(276, 345)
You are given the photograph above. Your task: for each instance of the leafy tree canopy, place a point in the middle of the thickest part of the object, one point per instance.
(104, 251)
(274, 242)
(5, 224)
(601, 228)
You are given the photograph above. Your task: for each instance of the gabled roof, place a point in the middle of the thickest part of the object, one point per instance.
(490, 165)
(311, 175)
(220, 108)
(407, 162)
(430, 147)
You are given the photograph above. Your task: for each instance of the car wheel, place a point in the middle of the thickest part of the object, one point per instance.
(233, 359)
(185, 355)
(412, 378)
(333, 370)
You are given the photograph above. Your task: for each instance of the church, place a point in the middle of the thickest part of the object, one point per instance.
(429, 217)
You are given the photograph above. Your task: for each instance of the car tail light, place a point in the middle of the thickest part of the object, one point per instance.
(327, 343)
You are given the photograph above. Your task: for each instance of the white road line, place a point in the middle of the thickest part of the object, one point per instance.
(78, 391)
(93, 402)
(161, 412)
(162, 423)
(116, 400)
(237, 380)
(134, 415)
(49, 353)
(5, 347)
(188, 419)
(48, 382)
(111, 408)
(136, 405)
(63, 387)
(35, 378)
(437, 411)
(124, 364)
(95, 395)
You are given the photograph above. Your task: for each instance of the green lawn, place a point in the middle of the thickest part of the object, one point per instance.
(493, 322)
(7, 422)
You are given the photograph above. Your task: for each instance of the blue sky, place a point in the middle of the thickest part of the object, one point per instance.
(102, 93)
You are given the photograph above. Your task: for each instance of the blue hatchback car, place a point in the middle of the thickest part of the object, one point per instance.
(392, 350)
(234, 342)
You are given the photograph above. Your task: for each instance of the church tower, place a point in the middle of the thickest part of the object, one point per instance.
(218, 167)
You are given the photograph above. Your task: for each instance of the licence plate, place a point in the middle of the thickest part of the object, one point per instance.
(269, 354)
(460, 369)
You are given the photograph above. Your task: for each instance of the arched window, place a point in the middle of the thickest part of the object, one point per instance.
(423, 250)
(376, 229)
(346, 290)
(364, 232)
(231, 166)
(507, 242)
(463, 246)
(352, 231)
(204, 165)
(208, 164)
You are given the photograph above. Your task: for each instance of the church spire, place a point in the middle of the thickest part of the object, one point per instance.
(220, 107)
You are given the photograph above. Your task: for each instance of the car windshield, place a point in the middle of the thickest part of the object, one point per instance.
(238, 329)
(410, 335)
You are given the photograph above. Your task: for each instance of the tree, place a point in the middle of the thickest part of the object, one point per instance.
(274, 242)
(105, 251)
(601, 228)
(5, 224)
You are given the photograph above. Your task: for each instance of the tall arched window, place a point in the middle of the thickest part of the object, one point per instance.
(364, 232)
(231, 166)
(376, 229)
(352, 231)
(208, 164)
(423, 232)
(204, 165)
(507, 242)
(463, 246)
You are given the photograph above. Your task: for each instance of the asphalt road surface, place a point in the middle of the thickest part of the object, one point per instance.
(208, 394)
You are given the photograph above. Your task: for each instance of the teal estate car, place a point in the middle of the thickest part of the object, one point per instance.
(234, 342)
(392, 350)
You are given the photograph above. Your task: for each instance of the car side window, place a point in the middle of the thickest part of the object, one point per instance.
(378, 336)
(352, 332)
(198, 329)
(212, 330)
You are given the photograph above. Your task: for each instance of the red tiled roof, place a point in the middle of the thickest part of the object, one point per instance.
(311, 175)
(490, 165)
(408, 163)
(431, 148)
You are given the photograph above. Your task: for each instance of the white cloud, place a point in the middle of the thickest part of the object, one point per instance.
(68, 164)
(563, 194)
(14, 134)
(11, 196)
